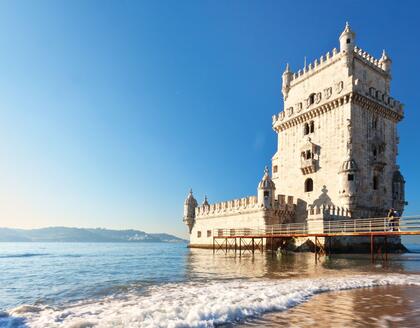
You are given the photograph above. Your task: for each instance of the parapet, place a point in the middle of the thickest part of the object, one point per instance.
(316, 65)
(329, 212)
(384, 99)
(246, 204)
(367, 58)
(234, 205)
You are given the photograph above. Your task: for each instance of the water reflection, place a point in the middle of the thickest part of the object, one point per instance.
(389, 306)
(203, 264)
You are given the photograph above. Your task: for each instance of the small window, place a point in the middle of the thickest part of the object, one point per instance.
(348, 41)
(311, 99)
(374, 152)
(308, 154)
(375, 183)
(306, 129)
(350, 177)
(266, 193)
(208, 233)
(311, 127)
(232, 232)
(275, 168)
(198, 234)
(309, 185)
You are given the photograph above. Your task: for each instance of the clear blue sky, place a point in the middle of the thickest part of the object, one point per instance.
(111, 110)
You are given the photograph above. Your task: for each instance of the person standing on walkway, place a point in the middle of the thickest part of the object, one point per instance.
(396, 221)
(390, 217)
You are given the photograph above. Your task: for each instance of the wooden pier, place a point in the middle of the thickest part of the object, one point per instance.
(252, 239)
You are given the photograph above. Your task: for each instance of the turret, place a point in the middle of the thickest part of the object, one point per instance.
(189, 210)
(348, 183)
(266, 190)
(286, 79)
(398, 192)
(347, 39)
(205, 203)
(385, 62)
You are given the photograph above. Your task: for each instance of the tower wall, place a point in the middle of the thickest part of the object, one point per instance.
(350, 148)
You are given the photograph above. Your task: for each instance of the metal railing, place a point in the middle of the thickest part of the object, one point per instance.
(404, 224)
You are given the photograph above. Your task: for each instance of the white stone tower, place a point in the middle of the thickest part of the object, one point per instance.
(337, 135)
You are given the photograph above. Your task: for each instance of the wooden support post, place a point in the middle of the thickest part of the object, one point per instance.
(386, 249)
(235, 245)
(213, 246)
(240, 246)
(226, 245)
(316, 249)
(262, 245)
(372, 256)
(330, 245)
(253, 250)
(272, 246)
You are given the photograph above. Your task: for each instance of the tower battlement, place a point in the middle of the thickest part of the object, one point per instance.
(239, 205)
(315, 66)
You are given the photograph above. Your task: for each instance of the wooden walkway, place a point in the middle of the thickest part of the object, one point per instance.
(251, 239)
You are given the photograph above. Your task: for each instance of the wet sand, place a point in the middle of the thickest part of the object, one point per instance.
(388, 306)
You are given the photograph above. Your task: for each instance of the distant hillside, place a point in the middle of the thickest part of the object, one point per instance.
(63, 234)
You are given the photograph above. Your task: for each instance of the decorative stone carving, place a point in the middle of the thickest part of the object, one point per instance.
(327, 92)
(318, 97)
(339, 86)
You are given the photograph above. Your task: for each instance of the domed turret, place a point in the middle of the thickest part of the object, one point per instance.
(347, 39)
(205, 203)
(189, 210)
(266, 190)
(286, 79)
(398, 191)
(348, 182)
(385, 62)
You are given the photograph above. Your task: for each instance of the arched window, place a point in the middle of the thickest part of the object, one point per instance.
(375, 182)
(311, 127)
(308, 154)
(306, 129)
(309, 185)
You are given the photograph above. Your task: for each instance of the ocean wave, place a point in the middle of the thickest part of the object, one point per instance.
(6, 256)
(201, 304)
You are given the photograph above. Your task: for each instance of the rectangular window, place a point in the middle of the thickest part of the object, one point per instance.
(266, 194)
(198, 234)
(275, 168)
(350, 177)
(208, 233)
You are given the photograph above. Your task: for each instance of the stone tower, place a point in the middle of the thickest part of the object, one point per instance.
(337, 135)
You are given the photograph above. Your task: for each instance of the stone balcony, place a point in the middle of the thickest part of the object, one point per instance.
(308, 166)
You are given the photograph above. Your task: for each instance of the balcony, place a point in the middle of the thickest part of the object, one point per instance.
(308, 166)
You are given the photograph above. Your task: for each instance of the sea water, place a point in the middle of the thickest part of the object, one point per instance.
(82, 285)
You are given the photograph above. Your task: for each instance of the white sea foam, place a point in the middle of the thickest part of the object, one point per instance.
(201, 304)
